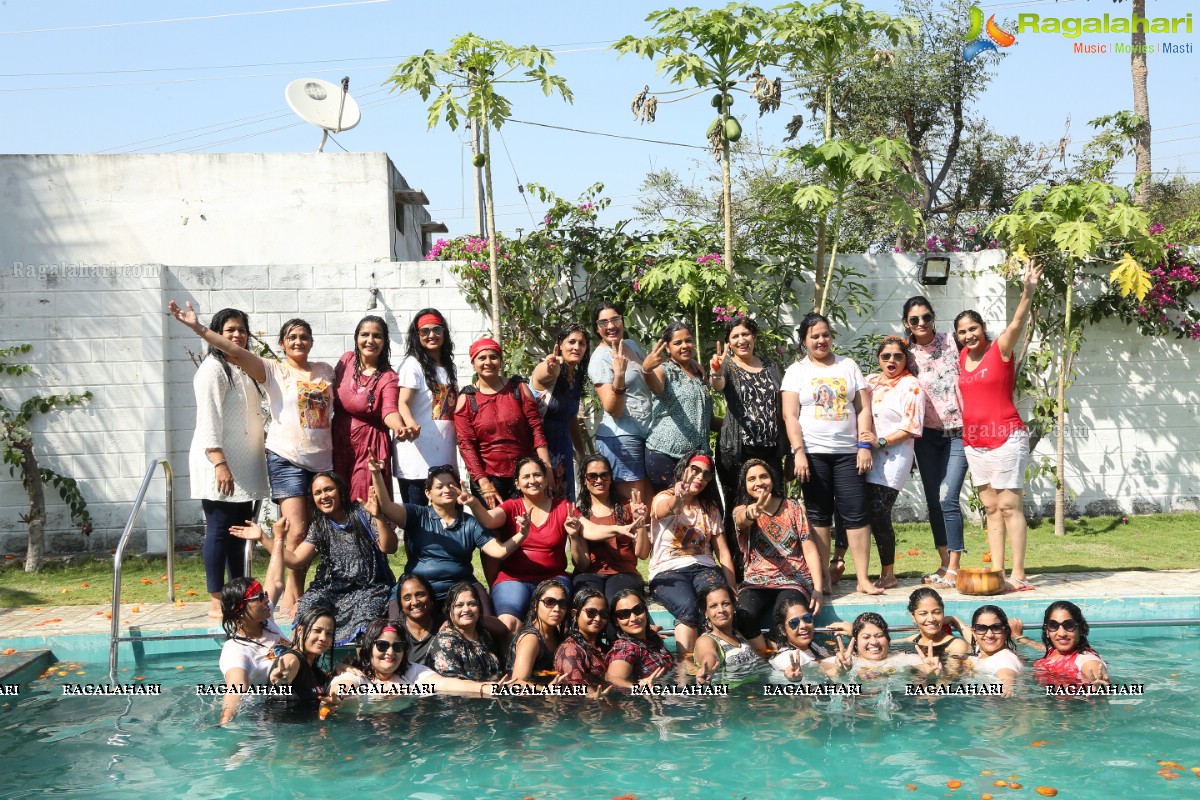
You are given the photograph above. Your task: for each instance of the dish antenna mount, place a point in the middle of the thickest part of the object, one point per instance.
(321, 103)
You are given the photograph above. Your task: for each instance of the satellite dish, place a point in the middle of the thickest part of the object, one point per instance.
(328, 106)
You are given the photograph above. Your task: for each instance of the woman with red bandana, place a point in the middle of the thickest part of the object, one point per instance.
(498, 424)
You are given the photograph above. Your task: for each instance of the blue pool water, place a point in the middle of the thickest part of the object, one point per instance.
(745, 745)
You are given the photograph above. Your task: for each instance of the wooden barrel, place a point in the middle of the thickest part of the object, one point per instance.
(977, 581)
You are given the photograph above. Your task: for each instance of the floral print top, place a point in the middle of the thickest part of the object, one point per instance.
(936, 367)
(773, 552)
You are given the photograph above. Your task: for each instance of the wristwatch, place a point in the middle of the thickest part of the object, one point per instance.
(882, 442)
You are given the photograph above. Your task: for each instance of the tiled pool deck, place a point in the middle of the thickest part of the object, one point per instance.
(1102, 595)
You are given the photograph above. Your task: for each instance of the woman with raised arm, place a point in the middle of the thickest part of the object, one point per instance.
(299, 439)
(616, 372)
(547, 526)
(616, 534)
(939, 449)
(827, 413)
(365, 410)
(247, 615)
(681, 415)
(498, 424)
(428, 385)
(994, 437)
(353, 541)
(685, 534)
(558, 381)
(782, 562)
(226, 459)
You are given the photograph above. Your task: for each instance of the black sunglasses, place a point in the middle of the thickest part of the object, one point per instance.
(382, 647)
(924, 318)
(554, 602)
(626, 613)
(891, 356)
(794, 622)
(1069, 625)
(996, 628)
(596, 476)
(432, 330)
(593, 613)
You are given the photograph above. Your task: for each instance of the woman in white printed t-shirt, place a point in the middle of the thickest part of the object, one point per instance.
(827, 414)
(299, 440)
(428, 391)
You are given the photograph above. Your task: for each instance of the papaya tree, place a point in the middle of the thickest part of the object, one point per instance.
(17, 441)
(471, 71)
(1070, 228)
(710, 51)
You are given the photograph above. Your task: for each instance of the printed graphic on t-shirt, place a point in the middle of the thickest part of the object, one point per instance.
(313, 403)
(829, 394)
(442, 407)
(687, 540)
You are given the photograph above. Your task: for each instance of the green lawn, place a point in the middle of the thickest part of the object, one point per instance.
(1158, 541)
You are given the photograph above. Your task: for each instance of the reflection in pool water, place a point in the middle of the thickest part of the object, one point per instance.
(744, 745)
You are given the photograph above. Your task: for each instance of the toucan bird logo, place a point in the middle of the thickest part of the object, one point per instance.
(996, 36)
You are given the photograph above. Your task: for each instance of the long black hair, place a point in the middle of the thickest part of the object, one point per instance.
(300, 631)
(909, 305)
(584, 497)
(217, 326)
(233, 605)
(709, 495)
(581, 369)
(445, 360)
(1076, 614)
(582, 598)
(777, 486)
(385, 354)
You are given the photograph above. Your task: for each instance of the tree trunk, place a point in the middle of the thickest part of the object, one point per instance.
(819, 274)
(1060, 479)
(726, 192)
(31, 478)
(837, 225)
(493, 260)
(1141, 107)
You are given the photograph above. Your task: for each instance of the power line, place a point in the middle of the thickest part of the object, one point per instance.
(204, 79)
(185, 69)
(194, 19)
(608, 135)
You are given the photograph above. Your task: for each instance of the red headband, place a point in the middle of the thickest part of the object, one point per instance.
(253, 590)
(391, 628)
(485, 344)
(701, 459)
(430, 319)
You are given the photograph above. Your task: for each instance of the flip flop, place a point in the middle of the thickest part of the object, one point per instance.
(932, 578)
(1019, 585)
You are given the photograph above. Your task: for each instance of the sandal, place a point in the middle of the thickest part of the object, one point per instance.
(947, 581)
(1018, 585)
(932, 578)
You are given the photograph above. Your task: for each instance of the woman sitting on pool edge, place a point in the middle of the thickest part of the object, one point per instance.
(1069, 659)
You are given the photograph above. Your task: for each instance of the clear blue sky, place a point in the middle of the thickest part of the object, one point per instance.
(76, 77)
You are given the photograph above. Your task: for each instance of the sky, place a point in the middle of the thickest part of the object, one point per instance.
(154, 77)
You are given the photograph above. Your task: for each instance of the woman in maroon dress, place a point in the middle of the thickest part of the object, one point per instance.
(365, 392)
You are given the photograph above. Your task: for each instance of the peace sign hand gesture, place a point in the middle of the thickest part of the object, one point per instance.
(930, 663)
(658, 357)
(620, 361)
(793, 671)
(553, 362)
(573, 527)
(845, 659)
(718, 360)
(464, 495)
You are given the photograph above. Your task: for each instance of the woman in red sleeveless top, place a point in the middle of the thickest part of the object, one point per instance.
(1069, 659)
(994, 437)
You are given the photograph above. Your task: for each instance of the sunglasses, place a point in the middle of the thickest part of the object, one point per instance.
(554, 602)
(597, 476)
(891, 356)
(611, 322)
(260, 597)
(1070, 626)
(924, 319)
(593, 613)
(626, 613)
(432, 330)
(703, 473)
(794, 622)
(382, 647)
(996, 628)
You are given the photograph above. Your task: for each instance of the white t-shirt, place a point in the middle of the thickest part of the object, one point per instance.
(1005, 659)
(826, 394)
(784, 658)
(433, 409)
(895, 407)
(228, 416)
(252, 655)
(301, 414)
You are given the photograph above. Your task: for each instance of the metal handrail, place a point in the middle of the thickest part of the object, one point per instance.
(115, 638)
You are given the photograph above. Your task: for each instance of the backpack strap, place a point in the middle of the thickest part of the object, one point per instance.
(470, 391)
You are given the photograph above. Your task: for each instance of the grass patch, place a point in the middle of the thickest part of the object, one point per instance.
(1156, 541)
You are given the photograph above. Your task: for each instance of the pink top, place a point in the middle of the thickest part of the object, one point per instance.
(543, 554)
(936, 367)
(989, 416)
(360, 404)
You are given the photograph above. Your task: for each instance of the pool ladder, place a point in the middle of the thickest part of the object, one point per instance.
(116, 639)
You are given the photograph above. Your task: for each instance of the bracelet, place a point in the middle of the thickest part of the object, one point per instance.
(864, 445)
(220, 463)
(797, 449)
(203, 330)
(619, 391)
(481, 687)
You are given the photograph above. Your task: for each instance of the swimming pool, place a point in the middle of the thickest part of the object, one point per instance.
(745, 745)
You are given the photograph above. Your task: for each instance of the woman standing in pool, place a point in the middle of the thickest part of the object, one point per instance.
(994, 437)
(898, 408)
(993, 650)
(299, 441)
(794, 636)
(681, 414)
(1069, 659)
(939, 449)
(228, 469)
(364, 395)
(721, 646)
(302, 664)
(498, 424)
(247, 615)
(827, 412)
(561, 376)
(580, 659)
(428, 391)
(616, 372)
(935, 635)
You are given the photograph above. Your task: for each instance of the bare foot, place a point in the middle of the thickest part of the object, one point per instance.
(214, 609)
(886, 582)
(868, 588)
(836, 568)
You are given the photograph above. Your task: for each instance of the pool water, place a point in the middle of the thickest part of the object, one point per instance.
(741, 746)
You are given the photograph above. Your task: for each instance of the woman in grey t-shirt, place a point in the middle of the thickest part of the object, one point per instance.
(616, 372)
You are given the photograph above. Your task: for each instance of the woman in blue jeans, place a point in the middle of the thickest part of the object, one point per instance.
(939, 451)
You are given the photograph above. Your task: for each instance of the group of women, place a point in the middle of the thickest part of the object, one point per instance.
(337, 435)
